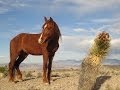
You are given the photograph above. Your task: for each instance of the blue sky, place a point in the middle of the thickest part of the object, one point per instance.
(79, 22)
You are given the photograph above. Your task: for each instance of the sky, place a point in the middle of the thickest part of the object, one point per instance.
(79, 22)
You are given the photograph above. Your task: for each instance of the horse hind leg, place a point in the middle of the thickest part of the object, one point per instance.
(22, 56)
(13, 58)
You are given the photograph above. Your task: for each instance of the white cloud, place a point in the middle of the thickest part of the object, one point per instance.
(80, 30)
(73, 47)
(77, 6)
(111, 26)
(115, 28)
(76, 43)
(80, 44)
(86, 6)
(101, 20)
(115, 49)
(89, 30)
(106, 20)
(9, 5)
(4, 59)
(2, 56)
(115, 43)
(3, 10)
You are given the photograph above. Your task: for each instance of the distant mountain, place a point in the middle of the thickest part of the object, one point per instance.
(78, 62)
(63, 64)
(111, 62)
(56, 64)
(66, 63)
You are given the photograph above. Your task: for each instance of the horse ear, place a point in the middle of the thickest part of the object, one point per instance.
(51, 19)
(45, 19)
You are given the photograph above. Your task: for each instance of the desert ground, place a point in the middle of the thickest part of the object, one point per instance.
(109, 78)
(64, 79)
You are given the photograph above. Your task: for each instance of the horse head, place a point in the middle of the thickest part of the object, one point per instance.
(49, 31)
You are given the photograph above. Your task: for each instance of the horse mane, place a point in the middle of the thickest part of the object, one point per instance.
(57, 30)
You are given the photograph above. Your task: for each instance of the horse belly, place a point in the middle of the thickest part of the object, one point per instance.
(30, 45)
(33, 51)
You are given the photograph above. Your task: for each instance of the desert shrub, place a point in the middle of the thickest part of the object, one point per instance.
(66, 75)
(55, 75)
(4, 70)
(28, 74)
(39, 75)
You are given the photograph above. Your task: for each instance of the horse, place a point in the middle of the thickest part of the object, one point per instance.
(45, 43)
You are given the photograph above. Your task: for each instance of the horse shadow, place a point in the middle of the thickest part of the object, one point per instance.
(56, 77)
(99, 81)
(26, 79)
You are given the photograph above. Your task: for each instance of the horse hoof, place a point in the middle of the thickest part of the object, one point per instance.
(46, 83)
(20, 80)
(11, 80)
(51, 81)
(15, 81)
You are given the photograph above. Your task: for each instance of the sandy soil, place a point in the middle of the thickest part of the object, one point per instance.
(64, 79)
(61, 80)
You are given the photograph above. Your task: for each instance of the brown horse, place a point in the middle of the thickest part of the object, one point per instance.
(45, 43)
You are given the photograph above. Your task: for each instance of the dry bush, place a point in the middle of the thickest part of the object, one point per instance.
(28, 74)
(39, 75)
(3, 71)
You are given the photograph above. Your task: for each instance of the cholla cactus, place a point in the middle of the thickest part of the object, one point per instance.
(101, 45)
(99, 49)
(91, 64)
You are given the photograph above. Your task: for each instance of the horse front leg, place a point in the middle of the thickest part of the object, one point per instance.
(45, 66)
(49, 67)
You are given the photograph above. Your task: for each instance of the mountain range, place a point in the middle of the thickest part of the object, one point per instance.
(64, 64)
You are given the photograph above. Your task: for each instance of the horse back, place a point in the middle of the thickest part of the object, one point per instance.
(28, 43)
